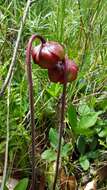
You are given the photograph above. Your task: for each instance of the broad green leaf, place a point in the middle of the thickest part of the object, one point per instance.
(80, 131)
(93, 154)
(81, 144)
(93, 143)
(84, 162)
(53, 137)
(22, 185)
(49, 155)
(54, 89)
(66, 149)
(72, 116)
(83, 109)
(88, 120)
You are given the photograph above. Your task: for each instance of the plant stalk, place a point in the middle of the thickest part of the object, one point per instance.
(7, 139)
(61, 127)
(31, 102)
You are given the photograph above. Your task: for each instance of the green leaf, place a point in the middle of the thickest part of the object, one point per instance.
(66, 149)
(49, 155)
(84, 162)
(93, 143)
(72, 116)
(83, 109)
(81, 144)
(93, 154)
(54, 89)
(88, 120)
(53, 137)
(89, 132)
(22, 185)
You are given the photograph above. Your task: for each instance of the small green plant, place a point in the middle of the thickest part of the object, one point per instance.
(85, 123)
(51, 153)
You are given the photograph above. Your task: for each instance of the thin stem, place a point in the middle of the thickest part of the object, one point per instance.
(7, 139)
(61, 127)
(31, 101)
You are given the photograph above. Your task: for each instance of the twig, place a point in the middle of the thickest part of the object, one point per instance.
(9, 74)
(7, 138)
(60, 135)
